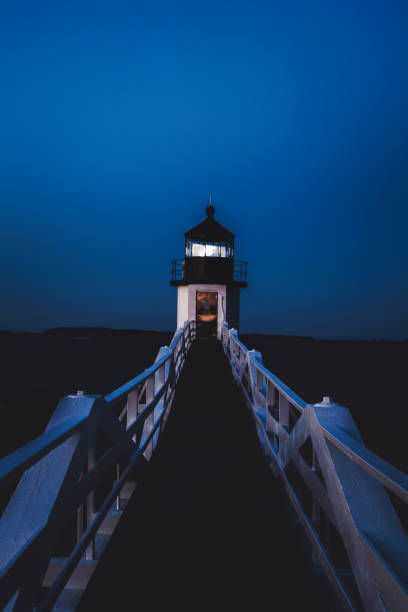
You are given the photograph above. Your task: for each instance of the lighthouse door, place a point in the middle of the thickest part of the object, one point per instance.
(206, 313)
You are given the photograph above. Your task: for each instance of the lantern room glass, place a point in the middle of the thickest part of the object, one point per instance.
(195, 248)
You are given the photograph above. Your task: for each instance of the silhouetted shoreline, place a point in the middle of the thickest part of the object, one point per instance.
(38, 369)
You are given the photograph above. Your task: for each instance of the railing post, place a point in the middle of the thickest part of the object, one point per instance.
(161, 376)
(161, 372)
(90, 505)
(319, 518)
(256, 375)
(233, 334)
(283, 411)
(80, 519)
(270, 396)
(150, 419)
(259, 380)
(177, 360)
(171, 373)
(184, 341)
(316, 515)
(189, 336)
(132, 406)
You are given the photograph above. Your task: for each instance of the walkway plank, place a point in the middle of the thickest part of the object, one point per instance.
(208, 527)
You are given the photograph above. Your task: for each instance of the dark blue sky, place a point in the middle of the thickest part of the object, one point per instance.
(119, 118)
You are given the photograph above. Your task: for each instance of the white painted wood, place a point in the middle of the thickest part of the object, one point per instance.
(186, 303)
(353, 495)
(182, 306)
(32, 502)
(132, 406)
(54, 486)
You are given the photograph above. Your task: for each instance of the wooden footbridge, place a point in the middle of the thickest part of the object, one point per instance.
(203, 483)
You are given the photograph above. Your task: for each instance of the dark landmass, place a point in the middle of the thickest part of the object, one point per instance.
(37, 369)
(369, 377)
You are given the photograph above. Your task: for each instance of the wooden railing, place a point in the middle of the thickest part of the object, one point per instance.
(351, 503)
(71, 483)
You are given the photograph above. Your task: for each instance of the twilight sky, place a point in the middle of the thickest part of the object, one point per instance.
(118, 119)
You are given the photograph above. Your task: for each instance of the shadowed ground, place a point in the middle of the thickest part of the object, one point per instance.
(208, 526)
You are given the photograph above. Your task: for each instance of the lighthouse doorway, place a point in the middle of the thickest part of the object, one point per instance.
(206, 313)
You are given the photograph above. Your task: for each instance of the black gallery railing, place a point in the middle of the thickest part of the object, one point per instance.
(224, 268)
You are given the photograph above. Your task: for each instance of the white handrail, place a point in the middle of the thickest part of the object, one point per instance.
(319, 453)
(61, 470)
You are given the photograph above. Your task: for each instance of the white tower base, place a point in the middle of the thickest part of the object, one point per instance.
(228, 304)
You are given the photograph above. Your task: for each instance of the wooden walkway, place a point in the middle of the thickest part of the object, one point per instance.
(208, 526)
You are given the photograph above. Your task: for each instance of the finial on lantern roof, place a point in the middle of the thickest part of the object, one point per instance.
(210, 210)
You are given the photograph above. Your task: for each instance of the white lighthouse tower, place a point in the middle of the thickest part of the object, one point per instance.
(209, 279)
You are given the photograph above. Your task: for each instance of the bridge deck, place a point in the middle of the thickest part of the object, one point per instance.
(208, 525)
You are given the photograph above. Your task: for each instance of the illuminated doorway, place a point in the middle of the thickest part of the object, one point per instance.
(206, 313)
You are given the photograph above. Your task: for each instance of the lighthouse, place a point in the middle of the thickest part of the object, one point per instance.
(209, 279)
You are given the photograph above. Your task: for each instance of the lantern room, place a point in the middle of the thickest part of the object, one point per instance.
(209, 278)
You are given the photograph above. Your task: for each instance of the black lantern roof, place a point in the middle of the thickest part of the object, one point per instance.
(210, 230)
